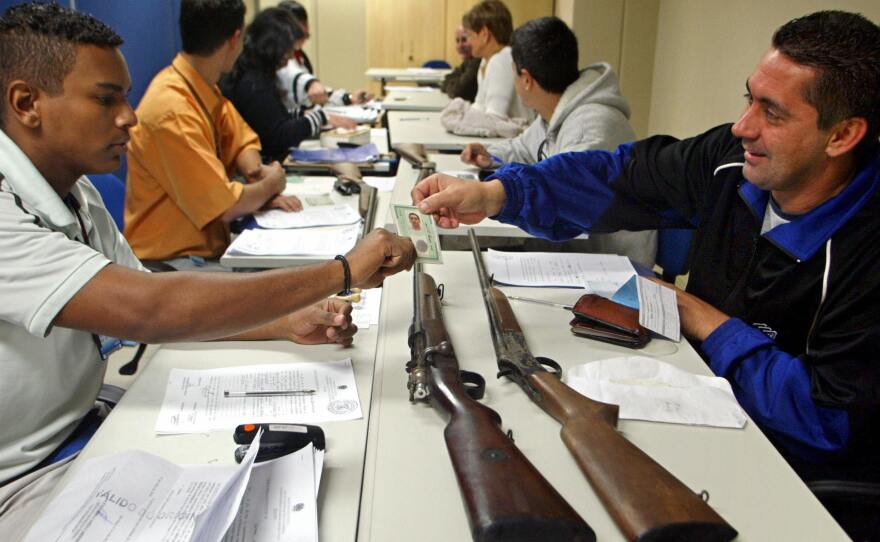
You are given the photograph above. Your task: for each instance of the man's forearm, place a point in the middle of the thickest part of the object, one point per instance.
(202, 307)
(253, 197)
(248, 163)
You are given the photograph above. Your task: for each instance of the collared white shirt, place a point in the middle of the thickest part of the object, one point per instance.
(49, 376)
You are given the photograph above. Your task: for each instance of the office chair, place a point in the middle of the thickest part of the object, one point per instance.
(673, 252)
(855, 506)
(437, 64)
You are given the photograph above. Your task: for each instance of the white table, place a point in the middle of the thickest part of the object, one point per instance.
(421, 75)
(398, 100)
(423, 127)
(388, 477)
(131, 423)
(410, 491)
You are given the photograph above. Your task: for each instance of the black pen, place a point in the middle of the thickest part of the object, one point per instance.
(272, 393)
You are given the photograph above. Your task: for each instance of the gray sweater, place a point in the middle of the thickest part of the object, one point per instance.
(591, 114)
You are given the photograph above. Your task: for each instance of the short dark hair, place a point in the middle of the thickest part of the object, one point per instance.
(206, 24)
(296, 9)
(37, 44)
(491, 14)
(268, 39)
(844, 49)
(548, 49)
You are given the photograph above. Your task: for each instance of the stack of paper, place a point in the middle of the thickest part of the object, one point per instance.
(135, 495)
(302, 242)
(309, 217)
(602, 274)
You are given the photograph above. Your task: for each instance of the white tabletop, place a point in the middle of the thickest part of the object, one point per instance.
(388, 477)
(131, 424)
(428, 75)
(398, 100)
(410, 491)
(424, 127)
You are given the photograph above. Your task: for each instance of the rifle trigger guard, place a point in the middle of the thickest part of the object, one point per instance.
(550, 365)
(441, 289)
(474, 384)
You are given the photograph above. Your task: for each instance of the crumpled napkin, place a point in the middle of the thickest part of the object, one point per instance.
(649, 389)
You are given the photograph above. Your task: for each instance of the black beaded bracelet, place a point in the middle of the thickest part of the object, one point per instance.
(346, 288)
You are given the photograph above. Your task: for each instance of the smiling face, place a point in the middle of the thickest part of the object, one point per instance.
(785, 150)
(85, 126)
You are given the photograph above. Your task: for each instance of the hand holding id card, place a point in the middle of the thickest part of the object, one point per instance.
(419, 227)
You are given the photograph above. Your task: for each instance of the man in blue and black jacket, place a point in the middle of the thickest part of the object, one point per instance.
(783, 297)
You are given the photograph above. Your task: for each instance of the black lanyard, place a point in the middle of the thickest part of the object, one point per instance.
(74, 206)
(204, 110)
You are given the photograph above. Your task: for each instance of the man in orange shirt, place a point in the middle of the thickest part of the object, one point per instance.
(190, 140)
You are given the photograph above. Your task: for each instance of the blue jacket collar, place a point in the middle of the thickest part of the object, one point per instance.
(802, 237)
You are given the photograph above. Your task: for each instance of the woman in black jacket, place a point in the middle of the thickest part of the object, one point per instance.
(269, 42)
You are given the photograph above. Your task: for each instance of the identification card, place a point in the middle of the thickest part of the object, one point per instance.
(410, 222)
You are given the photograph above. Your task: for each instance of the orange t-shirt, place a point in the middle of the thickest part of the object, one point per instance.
(178, 179)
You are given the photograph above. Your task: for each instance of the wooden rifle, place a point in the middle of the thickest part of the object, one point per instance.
(505, 497)
(646, 501)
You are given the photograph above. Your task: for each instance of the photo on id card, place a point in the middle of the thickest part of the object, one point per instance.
(420, 228)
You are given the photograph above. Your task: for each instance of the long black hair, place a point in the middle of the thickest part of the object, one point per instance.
(267, 41)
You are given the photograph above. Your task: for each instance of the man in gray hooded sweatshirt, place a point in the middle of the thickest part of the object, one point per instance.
(576, 111)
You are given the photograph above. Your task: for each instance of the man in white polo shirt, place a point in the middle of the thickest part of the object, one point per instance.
(67, 276)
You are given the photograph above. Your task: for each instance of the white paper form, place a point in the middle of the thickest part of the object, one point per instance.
(658, 309)
(382, 184)
(365, 313)
(195, 403)
(280, 503)
(649, 389)
(320, 242)
(309, 217)
(600, 273)
(135, 496)
(309, 185)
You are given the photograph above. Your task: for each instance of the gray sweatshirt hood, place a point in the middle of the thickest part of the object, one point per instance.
(597, 84)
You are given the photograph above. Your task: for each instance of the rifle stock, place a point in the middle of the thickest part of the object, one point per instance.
(505, 497)
(645, 500)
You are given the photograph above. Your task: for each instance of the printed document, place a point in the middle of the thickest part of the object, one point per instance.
(365, 313)
(309, 217)
(658, 309)
(280, 504)
(195, 401)
(602, 274)
(649, 389)
(137, 496)
(317, 242)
